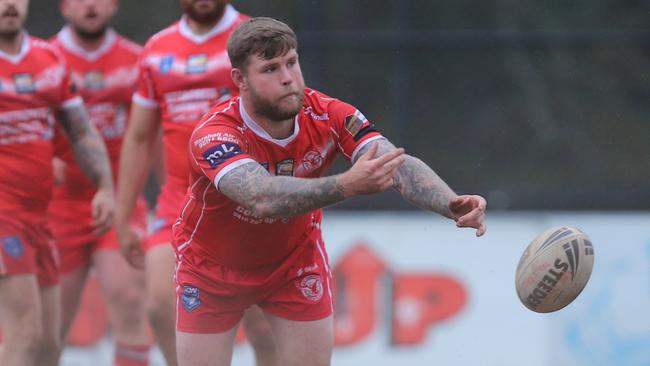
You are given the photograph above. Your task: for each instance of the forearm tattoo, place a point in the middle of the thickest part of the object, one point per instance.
(89, 148)
(270, 196)
(417, 182)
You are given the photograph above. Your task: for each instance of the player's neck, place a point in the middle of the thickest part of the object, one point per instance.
(88, 44)
(11, 44)
(278, 130)
(201, 28)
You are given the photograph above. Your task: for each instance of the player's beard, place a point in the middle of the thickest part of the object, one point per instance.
(9, 31)
(274, 111)
(90, 35)
(208, 18)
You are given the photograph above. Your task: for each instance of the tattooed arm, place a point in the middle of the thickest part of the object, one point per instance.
(269, 196)
(421, 186)
(92, 157)
(88, 145)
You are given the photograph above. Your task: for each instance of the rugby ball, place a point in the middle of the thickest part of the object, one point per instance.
(554, 269)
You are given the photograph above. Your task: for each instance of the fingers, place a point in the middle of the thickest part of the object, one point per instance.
(370, 153)
(470, 212)
(132, 250)
(102, 219)
(389, 156)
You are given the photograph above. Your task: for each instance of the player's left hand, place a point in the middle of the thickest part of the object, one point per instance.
(469, 211)
(103, 210)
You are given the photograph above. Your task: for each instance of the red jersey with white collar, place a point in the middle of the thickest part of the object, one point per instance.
(106, 79)
(34, 84)
(213, 226)
(184, 75)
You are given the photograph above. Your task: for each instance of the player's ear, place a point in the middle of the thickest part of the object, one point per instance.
(237, 76)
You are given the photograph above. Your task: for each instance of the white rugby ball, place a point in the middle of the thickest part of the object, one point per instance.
(554, 269)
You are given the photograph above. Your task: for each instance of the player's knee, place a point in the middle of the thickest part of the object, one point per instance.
(26, 339)
(127, 302)
(160, 309)
(49, 347)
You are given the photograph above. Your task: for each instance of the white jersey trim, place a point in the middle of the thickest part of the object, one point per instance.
(228, 168)
(230, 15)
(259, 131)
(24, 50)
(72, 102)
(144, 102)
(68, 41)
(362, 144)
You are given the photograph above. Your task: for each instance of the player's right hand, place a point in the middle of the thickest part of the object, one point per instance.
(372, 174)
(130, 246)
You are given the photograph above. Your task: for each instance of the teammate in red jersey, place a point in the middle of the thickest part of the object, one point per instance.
(184, 71)
(249, 231)
(34, 87)
(104, 68)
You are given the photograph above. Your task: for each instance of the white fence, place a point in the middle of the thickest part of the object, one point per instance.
(412, 289)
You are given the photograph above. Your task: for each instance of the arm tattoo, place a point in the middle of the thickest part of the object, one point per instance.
(418, 183)
(89, 148)
(269, 196)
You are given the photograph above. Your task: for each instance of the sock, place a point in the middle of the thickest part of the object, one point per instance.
(131, 355)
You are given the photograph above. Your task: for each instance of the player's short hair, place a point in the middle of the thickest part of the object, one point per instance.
(262, 36)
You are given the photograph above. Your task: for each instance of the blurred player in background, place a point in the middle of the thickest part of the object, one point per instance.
(249, 231)
(104, 69)
(184, 71)
(34, 86)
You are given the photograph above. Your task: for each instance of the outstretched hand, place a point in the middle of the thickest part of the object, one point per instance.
(372, 174)
(469, 211)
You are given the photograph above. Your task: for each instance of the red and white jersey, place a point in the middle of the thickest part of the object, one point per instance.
(106, 79)
(184, 75)
(212, 225)
(34, 84)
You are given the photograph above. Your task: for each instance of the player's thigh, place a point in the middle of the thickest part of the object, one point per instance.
(159, 273)
(72, 285)
(119, 282)
(20, 306)
(303, 342)
(200, 349)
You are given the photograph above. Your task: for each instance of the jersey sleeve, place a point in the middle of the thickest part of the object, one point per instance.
(216, 150)
(352, 128)
(145, 91)
(69, 93)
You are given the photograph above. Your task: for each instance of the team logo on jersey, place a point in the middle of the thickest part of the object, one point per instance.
(284, 167)
(218, 153)
(196, 64)
(311, 287)
(24, 83)
(311, 161)
(13, 246)
(190, 298)
(166, 63)
(94, 80)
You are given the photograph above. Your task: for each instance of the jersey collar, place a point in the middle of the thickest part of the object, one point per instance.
(230, 15)
(68, 41)
(259, 131)
(24, 50)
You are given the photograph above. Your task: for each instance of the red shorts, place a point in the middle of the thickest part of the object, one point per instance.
(71, 225)
(167, 212)
(26, 246)
(212, 298)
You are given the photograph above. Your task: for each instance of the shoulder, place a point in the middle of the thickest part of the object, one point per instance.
(223, 115)
(320, 104)
(160, 39)
(128, 45)
(45, 49)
